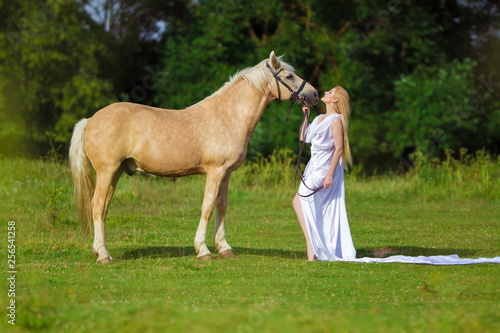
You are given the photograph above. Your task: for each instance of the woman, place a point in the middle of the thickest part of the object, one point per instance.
(320, 200)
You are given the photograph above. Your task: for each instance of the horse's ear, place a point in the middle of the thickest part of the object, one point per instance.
(274, 61)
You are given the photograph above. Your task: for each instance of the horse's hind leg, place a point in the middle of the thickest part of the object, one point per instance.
(105, 187)
(219, 234)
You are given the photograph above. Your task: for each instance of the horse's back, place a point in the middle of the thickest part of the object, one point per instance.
(160, 141)
(121, 112)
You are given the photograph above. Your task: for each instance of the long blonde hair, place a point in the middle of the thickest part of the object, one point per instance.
(345, 110)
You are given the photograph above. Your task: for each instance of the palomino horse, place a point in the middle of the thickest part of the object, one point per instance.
(209, 137)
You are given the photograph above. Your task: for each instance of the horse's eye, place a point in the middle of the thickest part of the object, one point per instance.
(289, 76)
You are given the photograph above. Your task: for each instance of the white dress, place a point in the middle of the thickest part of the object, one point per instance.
(325, 211)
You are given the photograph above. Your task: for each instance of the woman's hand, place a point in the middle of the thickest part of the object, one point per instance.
(327, 183)
(303, 126)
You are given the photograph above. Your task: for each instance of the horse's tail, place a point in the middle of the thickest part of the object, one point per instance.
(83, 178)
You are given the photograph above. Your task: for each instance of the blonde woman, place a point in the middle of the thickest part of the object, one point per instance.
(320, 200)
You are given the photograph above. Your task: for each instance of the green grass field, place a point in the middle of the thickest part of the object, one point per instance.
(156, 284)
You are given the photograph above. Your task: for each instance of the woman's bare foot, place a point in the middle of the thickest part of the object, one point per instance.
(311, 256)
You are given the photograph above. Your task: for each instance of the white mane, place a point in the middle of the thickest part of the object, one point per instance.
(258, 76)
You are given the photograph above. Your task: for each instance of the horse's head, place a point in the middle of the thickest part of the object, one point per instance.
(287, 85)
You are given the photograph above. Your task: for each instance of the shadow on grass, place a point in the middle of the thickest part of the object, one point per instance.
(271, 253)
(159, 252)
(383, 252)
(412, 251)
(186, 251)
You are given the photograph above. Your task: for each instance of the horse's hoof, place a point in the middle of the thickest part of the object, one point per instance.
(105, 260)
(227, 254)
(206, 257)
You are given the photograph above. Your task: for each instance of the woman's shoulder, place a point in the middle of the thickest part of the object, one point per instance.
(335, 118)
(336, 121)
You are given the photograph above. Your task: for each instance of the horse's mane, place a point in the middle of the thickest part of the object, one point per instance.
(257, 76)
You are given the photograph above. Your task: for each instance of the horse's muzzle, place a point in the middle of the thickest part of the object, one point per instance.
(309, 96)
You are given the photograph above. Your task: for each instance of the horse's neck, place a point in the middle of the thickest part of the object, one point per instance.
(241, 103)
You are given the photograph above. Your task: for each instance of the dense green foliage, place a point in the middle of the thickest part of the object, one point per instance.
(422, 74)
(157, 284)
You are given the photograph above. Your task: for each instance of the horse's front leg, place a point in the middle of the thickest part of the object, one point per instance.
(214, 180)
(219, 234)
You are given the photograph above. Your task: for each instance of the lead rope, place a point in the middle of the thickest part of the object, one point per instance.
(302, 141)
(293, 98)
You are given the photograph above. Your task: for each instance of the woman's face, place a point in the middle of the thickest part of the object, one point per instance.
(329, 96)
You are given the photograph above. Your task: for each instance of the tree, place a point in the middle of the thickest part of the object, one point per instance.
(434, 110)
(49, 73)
(59, 63)
(402, 61)
(134, 32)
